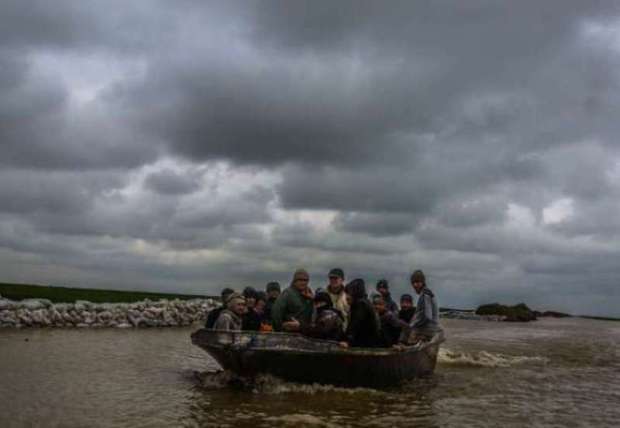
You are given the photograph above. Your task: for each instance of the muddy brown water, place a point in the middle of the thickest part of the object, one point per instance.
(553, 372)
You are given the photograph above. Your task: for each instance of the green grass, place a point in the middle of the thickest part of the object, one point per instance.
(69, 295)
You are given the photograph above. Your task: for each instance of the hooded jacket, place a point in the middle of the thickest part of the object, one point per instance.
(426, 318)
(363, 329)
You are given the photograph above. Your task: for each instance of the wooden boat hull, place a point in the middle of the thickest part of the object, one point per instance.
(300, 359)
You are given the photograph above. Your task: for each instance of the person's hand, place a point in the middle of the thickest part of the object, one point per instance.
(292, 325)
(307, 293)
(343, 344)
(399, 347)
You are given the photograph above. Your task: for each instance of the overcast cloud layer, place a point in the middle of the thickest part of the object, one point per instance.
(184, 146)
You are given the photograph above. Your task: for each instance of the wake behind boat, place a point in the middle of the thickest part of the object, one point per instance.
(297, 358)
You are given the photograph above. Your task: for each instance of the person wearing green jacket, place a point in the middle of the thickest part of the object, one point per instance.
(294, 307)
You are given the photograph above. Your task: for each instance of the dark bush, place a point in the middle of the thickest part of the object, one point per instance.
(520, 312)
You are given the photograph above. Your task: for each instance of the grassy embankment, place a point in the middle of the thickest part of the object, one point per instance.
(69, 295)
(521, 312)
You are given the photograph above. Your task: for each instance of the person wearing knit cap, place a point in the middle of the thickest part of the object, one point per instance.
(231, 317)
(425, 322)
(215, 313)
(383, 288)
(293, 308)
(363, 329)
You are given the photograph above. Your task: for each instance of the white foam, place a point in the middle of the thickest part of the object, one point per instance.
(485, 359)
(267, 384)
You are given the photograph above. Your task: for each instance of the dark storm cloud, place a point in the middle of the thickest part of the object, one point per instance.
(477, 140)
(39, 129)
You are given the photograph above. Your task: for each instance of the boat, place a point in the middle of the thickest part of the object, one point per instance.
(297, 358)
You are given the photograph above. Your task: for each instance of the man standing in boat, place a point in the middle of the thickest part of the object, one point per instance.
(294, 306)
(425, 323)
(335, 289)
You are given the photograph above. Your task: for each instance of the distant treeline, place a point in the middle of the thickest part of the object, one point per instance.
(70, 295)
(599, 318)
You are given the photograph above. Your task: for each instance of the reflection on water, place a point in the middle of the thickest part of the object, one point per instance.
(552, 372)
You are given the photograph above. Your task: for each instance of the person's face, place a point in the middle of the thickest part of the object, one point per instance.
(349, 299)
(259, 307)
(301, 283)
(406, 304)
(383, 291)
(379, 306)
(239, 308)
(273, 294)
(417, 286)
(250, 302)
(335, 283)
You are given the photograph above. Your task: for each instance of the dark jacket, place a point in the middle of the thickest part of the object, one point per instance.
(406, 314)
(291, 304)
(328, 324)
(363, 329)
(391, 328)
(268, 305)
(252, 320)
(390, 304)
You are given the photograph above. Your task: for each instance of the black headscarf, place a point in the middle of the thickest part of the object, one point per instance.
(356, 289)
(250, 293)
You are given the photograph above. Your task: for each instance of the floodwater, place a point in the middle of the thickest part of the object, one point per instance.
(553, 372)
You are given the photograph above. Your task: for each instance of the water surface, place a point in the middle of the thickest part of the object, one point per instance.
(553, 372)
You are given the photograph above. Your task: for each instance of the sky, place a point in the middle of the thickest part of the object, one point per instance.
(190, 145)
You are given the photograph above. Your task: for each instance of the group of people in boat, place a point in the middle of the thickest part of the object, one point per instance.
(340, 312)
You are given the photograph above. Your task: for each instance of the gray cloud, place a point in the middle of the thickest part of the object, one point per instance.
(168, 182)
(194, 144)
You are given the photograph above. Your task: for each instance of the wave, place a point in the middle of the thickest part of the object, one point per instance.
(485, 359)
(268, 384)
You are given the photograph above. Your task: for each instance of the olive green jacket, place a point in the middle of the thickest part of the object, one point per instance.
(291, 304)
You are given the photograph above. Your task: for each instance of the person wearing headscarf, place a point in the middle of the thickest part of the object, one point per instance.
(327, 322)
(363, 329)
(250, 296)
(425, 322)
(231, 317)
(215, 313)
(383, 288)
(407, 310)
(255, 315)
(293, 308)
